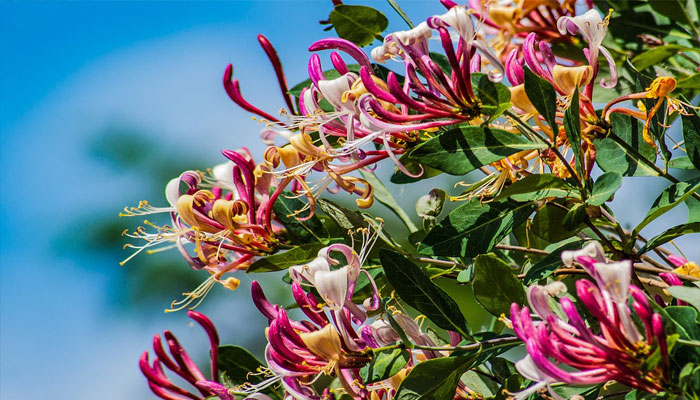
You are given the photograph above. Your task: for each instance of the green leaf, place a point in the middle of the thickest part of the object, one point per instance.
(434, 379)
(358, 24)
(682, 162)
(384, 365)
(676, 10)
(549, 263)
(657, 55)
(281, 261)
(401, 13)
(691, 82)
(474, 228)
(575, 217)
(604, 188)
(691, 135)
(494, 96)
(572, 127)
(235, 365)
(611, 157)
(418, 291)
(688, 294)
(670, 234)
(543, 96)
(495, 285)
(548, 224)
(286, 208)
(669, 198)
(413, 167)
(537, 187)
(384, 196)
(693, 205)
(464, 149)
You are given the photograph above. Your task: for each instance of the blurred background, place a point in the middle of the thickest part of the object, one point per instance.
(101, 103)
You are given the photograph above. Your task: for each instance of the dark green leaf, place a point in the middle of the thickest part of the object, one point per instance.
(572, 126)
(611, 157)
(691, 135)
(384, 365)
(434, 379)
(676, 10)
(669, 198)
(548, 224)
(235, 365)
(474, 228)
(575, 217)
(495, 285)
(461, 150)
(286, 209)
(418, 291)
(494, 96)
(358, 24)
(537, 187)
(281, 261)
(543, 96)
(669, 235)
(604, 187)
(549, 263)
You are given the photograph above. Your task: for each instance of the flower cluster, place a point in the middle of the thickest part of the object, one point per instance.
(511, 89)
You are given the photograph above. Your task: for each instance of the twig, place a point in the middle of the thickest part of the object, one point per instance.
(521, 249)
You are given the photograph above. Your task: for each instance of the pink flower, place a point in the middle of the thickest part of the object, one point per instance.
(570, 351)
(179, 362)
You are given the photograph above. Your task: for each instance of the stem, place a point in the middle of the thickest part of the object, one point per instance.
(440, 262)
(521, 249)
(401, 12)
(688, 342)
(641, 158)
(552, 146)
(472, 346)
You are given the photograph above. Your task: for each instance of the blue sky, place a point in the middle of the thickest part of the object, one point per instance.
(68, 69)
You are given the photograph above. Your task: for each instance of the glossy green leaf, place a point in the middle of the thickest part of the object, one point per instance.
(384, 365)
(604, 188)
(347, 220)
(611, 157)
(495, 285)
(575, 217)
(464, 149)
(434, 379)
(474, 228)
(572, 127)
(281, 261)
(286, 209)
(549, 263)
(494, 96)
(669, 198)
(691, 136)
(358, 24)
(418, 291)
(670, 234)
(537, 187)
(693, 205)
(413, 167)
(542, 95)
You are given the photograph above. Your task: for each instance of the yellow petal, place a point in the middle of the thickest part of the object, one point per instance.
(324, 342)
(569, 78)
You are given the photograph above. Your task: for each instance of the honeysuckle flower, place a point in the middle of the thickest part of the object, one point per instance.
(180, 363)
(618, 352)
(507, 22)
(226, 216)
(660, 90)
(593, 28)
